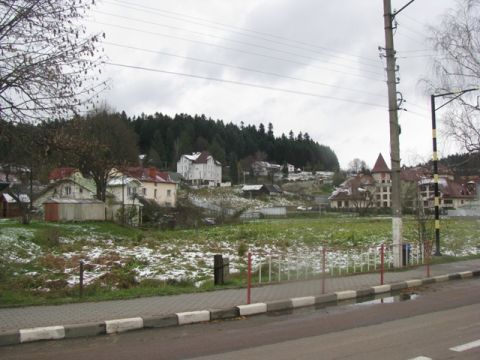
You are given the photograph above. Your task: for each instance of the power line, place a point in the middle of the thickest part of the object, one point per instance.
(241, 31)
(236, 50)
(243, 84)
(242, 68)
(236, 41)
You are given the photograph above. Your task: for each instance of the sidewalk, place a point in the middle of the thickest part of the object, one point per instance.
(14, 319)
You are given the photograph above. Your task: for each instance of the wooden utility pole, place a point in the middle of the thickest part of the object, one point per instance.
(395, 194)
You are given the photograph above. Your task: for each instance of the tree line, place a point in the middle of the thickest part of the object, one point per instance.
(164, 139)
(100, 141)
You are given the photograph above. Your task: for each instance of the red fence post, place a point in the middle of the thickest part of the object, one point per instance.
(81, 278)
(382, 262)
(324, 253)
(249, 278)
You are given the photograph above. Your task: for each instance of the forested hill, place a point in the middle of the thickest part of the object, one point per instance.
(164, 139)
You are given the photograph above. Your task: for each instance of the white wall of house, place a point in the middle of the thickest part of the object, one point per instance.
(199, 173)
(164, 194)
(64, 190)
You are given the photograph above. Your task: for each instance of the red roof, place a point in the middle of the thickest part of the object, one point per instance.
(61, 173)
(380, 165)
(150, 174)
(202, 159)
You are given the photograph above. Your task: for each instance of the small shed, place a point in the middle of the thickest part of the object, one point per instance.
(74, 210)
(262, 189)
(10, 207)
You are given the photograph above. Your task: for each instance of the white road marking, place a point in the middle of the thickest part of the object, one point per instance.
(421, 358)
(467, 346)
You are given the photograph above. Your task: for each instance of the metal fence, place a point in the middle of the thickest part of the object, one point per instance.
(331, 261)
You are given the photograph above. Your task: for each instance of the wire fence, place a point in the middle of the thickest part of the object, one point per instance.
(333, 261)
(278, 267)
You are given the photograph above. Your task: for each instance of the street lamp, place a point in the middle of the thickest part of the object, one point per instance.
(435, 160)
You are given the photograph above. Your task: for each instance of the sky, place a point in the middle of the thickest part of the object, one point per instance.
(303, 65)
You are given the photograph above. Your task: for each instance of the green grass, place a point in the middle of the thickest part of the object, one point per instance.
(24, 282)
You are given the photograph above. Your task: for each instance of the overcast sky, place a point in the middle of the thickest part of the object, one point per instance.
(315, 63)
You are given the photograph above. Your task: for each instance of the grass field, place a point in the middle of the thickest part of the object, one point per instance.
(39, 263)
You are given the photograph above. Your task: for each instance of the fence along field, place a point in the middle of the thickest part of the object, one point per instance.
(43, 260)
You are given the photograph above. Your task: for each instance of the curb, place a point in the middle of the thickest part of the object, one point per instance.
(121, 325)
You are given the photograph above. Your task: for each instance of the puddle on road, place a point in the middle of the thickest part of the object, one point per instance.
(387, 298)
(344, 305)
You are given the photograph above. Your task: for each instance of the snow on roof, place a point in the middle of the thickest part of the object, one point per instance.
(193, 156)
(119, 181)
(72, 201)
(252, 187)
(9, 199)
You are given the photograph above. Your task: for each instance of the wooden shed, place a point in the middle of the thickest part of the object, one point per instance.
(74, 210)
(9, 207)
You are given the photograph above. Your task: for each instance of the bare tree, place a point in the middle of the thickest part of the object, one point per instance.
(49, 64)
(457, 67)
(356, 166)
(100, 143)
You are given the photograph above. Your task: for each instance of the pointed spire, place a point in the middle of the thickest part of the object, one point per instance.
(380, 165)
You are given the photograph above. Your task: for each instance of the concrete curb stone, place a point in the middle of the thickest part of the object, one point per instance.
(160, 321)
(84, 330)
(192, 317)
(221, 314)
(9, 338)
(398, 286)
(325, 299)
(121, 325)
(429, 281)
(303, 301)
(252, 309)
(280, 305)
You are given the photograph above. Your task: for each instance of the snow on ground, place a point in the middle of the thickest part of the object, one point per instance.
(16, 245)
(191, 260)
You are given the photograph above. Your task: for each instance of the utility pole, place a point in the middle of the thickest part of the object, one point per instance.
(435, 158)
(394, 134)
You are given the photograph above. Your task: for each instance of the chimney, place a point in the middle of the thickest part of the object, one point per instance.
(152, 172)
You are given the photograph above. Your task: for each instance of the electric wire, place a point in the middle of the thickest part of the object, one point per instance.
(183, 17)
(238, 41)
(190, 58)
(234, 41)
(237, 50)
(241, 83)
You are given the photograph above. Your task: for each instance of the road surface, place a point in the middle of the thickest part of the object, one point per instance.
(442, 322)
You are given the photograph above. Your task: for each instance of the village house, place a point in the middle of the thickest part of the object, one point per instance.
(71, 197)
(374, 191)
(200, 169)
(155, 185)
(261, 189)
(264, 168)
(124, 205)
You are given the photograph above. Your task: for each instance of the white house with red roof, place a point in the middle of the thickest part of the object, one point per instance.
(200, 169)
(155, 185)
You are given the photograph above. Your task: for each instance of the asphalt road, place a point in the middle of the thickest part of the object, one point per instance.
(443, 317)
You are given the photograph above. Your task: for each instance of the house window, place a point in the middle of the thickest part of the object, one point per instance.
(144, 191)
(385, 196)
(385, 204)
(169, 193)
(155, 193)
(80, 190)
(68, 190)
